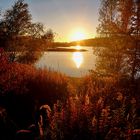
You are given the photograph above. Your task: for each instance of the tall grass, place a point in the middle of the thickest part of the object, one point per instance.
(101, 109)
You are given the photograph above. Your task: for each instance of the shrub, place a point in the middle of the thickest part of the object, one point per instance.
(22, 86)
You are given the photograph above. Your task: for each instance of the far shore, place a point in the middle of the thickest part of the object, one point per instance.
(56, 49)
(65, 50)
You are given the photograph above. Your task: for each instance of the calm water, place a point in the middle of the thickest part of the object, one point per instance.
(75, 64)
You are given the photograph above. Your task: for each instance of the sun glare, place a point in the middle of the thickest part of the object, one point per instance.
(78, 34)
(78, 47)
(77, 58)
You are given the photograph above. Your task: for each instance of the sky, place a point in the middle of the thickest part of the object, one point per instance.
(64, 17)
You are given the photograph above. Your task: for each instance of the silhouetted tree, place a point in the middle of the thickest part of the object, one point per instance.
(17, 19)
(49, 37)
(134, 51)
(19, 33)
(36, 30)
(110, 57)
(15, 22)
(119, 23)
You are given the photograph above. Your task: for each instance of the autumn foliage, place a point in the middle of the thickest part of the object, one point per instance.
(23, 88)
(101, 109)
(98, 108)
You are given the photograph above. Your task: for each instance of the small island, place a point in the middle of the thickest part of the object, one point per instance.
(58, 49)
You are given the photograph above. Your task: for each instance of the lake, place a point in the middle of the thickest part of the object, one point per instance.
(74, 64)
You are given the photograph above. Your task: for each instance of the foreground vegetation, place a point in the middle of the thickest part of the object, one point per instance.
(96, 108)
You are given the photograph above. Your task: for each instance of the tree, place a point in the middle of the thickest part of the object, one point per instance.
(110, 58)
(119, 23)
(17, 19)
(36, 30)
(19, 34)
(15, 22)
(134, 52)
(49, 37)
(107, 17)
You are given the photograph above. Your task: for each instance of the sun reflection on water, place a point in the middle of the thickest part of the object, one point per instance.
(77, 58)
(78, 47)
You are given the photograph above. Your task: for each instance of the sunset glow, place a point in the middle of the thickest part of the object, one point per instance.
(78, 34)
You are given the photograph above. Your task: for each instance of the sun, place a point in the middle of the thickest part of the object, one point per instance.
(78, 34)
